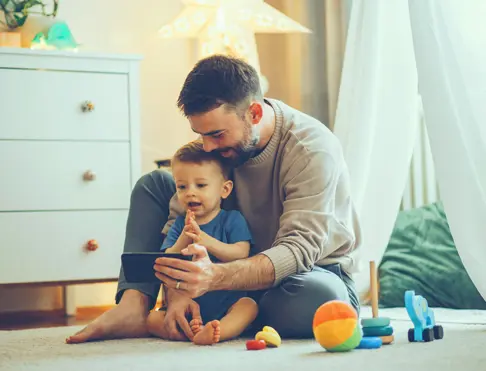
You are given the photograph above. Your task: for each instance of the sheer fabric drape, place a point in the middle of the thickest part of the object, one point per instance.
(396, 51)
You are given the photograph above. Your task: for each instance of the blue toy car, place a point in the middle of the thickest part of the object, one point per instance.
(423, 319)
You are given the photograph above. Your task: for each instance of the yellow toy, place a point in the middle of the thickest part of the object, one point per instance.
(336, 326)
(270, 336)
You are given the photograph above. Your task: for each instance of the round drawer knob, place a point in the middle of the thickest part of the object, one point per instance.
(88, 106)
(89, 175)
(92, 245)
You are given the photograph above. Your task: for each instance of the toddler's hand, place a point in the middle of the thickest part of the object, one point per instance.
(189, 232)
(189, 216)
(193, 231)
(191, 221)
(197, 235)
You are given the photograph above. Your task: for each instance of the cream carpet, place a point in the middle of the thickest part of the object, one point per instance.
(463, 348)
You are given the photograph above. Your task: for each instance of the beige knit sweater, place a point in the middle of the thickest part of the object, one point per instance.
(295, 196)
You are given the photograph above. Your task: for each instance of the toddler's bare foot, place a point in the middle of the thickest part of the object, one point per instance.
(196, 325)
(209, 334)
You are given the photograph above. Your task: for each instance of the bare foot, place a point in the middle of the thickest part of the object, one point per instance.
(209, 334)
(123, 321)
(196, 325)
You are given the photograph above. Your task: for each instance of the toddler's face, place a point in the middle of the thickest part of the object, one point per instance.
(200, 187)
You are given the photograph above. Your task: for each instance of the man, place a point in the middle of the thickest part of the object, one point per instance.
(292, 186)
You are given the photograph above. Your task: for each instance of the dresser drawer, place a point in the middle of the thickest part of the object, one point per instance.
(43, 104)
(50, 246)
(49, 175)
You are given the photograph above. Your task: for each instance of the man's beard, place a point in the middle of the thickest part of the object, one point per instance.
(246, 149)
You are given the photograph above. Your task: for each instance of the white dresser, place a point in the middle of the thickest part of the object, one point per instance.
(69, 158)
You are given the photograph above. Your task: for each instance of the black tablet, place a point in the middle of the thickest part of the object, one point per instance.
(139, 266)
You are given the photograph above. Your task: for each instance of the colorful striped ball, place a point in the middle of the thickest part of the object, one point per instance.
(336, 326)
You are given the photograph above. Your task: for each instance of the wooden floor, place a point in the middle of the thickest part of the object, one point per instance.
(55, 322)
(30, 320)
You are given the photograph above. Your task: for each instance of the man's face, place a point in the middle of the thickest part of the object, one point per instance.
(227, 133)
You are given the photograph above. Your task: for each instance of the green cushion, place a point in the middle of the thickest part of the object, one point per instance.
(421, 256)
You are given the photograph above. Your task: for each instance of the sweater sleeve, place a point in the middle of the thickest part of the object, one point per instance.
(309, 227)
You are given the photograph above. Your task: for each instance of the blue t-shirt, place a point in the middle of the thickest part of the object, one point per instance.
(228, 227)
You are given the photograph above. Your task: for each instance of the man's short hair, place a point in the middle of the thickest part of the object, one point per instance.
(194, 153)
(219, 80)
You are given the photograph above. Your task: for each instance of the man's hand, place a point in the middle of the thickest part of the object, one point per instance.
(179, 307)
(195, 277)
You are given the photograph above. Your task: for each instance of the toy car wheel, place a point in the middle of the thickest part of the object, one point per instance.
(438, 332)
(411, 335)
(428, 334)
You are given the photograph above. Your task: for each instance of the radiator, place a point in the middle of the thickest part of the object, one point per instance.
(421, 187)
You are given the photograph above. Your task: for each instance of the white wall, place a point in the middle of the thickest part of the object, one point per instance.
(131, 27)
(128, 27)
(124, 26)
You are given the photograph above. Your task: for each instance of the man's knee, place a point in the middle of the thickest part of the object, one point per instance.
(290, 307)
(156, 182)
(156, 178)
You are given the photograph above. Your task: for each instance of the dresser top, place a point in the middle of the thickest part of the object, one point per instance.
(69, 54)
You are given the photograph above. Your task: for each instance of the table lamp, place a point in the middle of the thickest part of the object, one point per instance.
(229, 27)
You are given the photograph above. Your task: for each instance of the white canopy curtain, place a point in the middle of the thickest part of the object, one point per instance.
(376, 118)
(450, 47)
(394, 50)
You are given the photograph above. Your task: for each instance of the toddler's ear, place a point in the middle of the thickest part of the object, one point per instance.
(227, 188)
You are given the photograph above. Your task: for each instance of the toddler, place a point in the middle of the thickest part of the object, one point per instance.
(202, 181)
